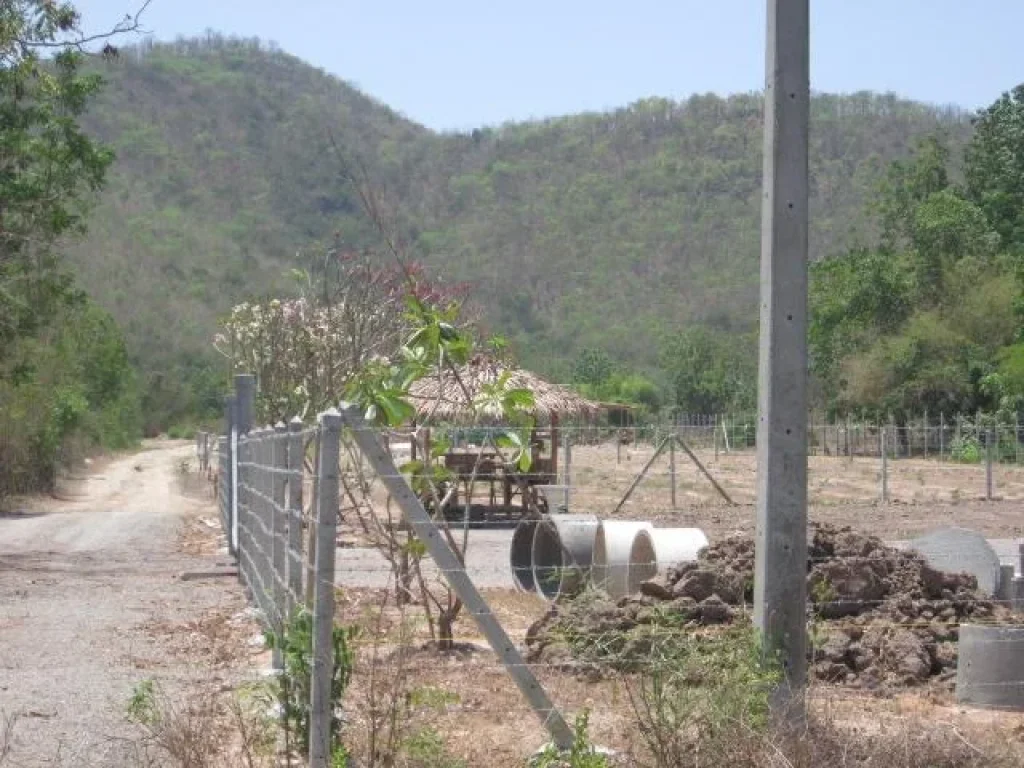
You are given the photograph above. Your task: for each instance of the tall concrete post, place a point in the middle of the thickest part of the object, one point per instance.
(780, 580)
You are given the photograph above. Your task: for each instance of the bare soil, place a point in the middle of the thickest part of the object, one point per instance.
(923, 494)
(91, 603)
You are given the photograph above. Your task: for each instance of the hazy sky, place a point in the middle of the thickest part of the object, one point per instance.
(458, 64)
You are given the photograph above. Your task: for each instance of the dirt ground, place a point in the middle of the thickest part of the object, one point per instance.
(92, 602)
(924, 494)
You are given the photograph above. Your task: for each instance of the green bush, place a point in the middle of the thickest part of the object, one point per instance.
(965, 450)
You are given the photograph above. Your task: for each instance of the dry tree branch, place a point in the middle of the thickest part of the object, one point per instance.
(130, 23)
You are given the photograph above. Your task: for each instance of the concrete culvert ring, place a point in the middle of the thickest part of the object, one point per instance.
(612, 547)
(520, 555)
(563, 548)
(657, 549)
(990, 667)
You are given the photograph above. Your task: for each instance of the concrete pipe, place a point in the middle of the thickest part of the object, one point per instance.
(520, 555)
(658, 549)
(612, 544)
(562, 552)
(990, 667)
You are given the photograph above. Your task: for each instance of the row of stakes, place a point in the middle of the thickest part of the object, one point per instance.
(559, 554)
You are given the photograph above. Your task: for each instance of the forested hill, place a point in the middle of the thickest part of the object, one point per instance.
(594, 230)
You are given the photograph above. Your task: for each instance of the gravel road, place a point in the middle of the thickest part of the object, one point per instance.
(91, 603)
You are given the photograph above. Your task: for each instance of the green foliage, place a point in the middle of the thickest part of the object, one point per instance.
(923, 321)
(965, 449)
(295, 642)
(600, 231)
(582, 753)
(711, 371)
(70, 385)
(65, 378)
(994, 167)
(425, 748)
(703, 695)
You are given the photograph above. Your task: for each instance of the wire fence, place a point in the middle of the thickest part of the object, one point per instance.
(326, 519)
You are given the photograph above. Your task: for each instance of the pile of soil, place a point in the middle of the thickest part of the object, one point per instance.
(878, 616)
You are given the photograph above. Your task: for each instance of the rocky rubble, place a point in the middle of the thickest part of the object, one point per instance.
(878, 616)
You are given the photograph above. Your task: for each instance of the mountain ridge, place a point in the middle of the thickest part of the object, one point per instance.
(605, 230)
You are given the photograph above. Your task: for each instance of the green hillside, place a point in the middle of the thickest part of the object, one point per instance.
(595, 230)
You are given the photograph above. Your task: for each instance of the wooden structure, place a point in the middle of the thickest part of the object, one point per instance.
(450, 399)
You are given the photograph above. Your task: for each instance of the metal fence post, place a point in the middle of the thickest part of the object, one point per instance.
(321, 713)
(672, 468)
(314, 516)
(989, 451)
(884, 451)
(567, 462)
(230, 472)
(243, 519)
(279, 515)
(293, 564)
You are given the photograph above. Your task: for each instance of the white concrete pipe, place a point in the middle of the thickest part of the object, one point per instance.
(562, 553)
(520, 555)
(990, 667)
(612, 545)
(658, 549)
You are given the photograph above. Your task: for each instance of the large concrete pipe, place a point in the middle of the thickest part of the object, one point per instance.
(658, 549)
(990, 667)
(611, 554)
(562, 552)
(520, 555)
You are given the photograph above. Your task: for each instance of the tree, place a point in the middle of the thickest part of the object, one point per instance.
(64, 370)
(994, 166)
(710, 371)
(48, 166)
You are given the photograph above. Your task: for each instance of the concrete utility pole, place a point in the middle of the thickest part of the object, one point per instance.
(780, 580)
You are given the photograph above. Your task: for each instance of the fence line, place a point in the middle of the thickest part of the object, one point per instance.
(289, 505)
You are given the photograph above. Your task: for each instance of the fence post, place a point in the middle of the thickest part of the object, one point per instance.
(320, 705)
(243, 552)
(942, 436)
(883, 450)
(229, 467)
(315, 515)
(567, 464)
(672, 469)
(989, 450)
(926, 428)
(1017, 440)
(279, 517)
(715, 441)
(293, 565)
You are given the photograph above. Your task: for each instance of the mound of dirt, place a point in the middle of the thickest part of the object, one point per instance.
(878, 616)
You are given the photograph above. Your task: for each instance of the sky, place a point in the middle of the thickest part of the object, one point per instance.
(457, 65)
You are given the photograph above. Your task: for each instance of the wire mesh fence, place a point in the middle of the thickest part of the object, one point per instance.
(450, 642)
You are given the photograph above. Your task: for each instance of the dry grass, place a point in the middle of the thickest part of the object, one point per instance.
(469, 701)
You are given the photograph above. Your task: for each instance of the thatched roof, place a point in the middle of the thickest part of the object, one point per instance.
(549, 399)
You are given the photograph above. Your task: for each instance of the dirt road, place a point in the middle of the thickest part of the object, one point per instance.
(91, 603)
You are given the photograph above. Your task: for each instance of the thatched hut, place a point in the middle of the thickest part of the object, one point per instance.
(452, 398)
(449, 397)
